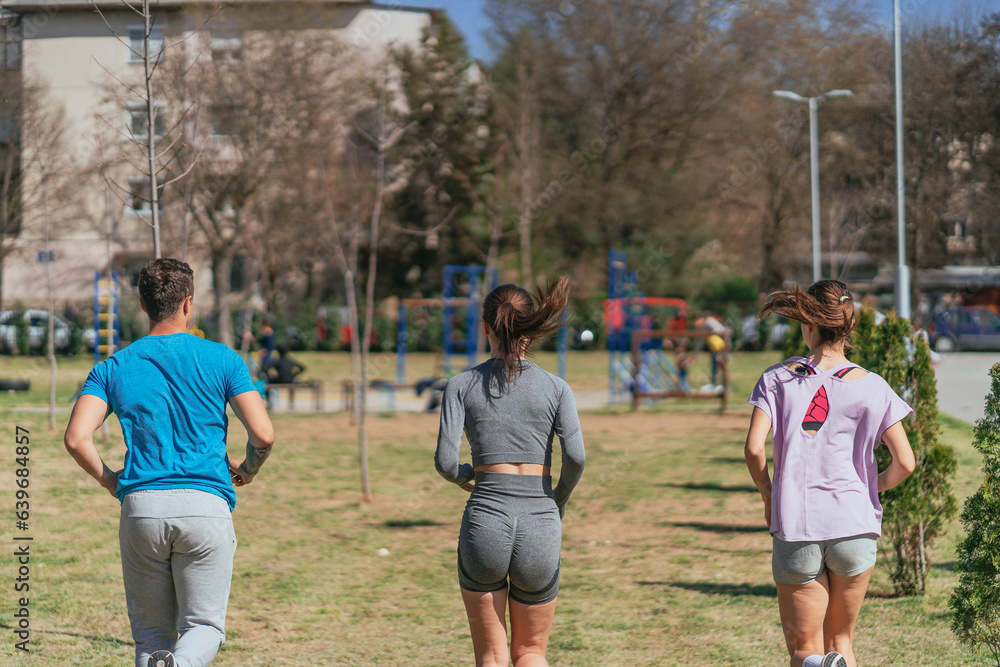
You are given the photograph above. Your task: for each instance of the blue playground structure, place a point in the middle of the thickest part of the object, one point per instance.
(479, 285)
(452, 345)
(623, 315)
(638, 367)
(107, 321)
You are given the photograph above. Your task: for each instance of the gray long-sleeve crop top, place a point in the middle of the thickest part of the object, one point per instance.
(509, 425)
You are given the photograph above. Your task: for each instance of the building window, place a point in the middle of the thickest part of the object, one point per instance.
(138, 121)
(226, 45)
(225, 119)
(135, 42)
(139, 200)
(10, 43)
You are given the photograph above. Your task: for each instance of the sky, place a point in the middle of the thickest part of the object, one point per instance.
(471, 20)
(468, 15)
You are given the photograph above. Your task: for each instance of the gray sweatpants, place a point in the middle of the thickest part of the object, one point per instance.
(177, 550)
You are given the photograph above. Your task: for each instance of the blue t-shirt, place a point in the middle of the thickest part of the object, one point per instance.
(170, 394)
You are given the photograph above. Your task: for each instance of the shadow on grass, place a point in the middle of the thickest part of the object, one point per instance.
(735, 460)
(720, 588)
(946, 565)
(411, 523)
(693, 486)
(715, 527)
(106, 640)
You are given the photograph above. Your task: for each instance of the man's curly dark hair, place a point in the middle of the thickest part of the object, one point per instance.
(163, 286)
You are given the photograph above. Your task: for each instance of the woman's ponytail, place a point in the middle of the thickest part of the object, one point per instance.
(518, 319)
(827, 305)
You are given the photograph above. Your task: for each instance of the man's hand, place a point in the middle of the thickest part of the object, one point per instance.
(109, 479)
(468, 486)
(239, 474)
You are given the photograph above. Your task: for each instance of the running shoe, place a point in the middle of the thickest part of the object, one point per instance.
(834, 659)
(166, 659)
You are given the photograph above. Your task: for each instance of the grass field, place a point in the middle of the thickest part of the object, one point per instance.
(665, 557)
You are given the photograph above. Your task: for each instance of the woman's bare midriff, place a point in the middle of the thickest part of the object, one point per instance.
(515, 468)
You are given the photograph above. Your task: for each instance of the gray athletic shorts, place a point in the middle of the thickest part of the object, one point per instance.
(799, 563)
(511, 530)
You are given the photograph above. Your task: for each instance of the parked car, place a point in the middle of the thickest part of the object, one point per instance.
(38, 322)
(968, 328)
(777, 329)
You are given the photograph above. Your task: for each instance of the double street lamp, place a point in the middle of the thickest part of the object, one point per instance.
(814, 162)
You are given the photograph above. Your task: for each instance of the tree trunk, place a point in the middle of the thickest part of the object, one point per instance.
(921, 558)
(53, 367)
(151, 128)
(222, 264)
(352, 323)
(366, 491)
(492, 255)
(527, 154)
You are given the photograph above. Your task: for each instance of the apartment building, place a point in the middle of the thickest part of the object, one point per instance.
(80, 58)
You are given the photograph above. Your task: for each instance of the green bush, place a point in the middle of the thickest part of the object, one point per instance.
(132, 321)
(332, 341)
(385, 333)
(975, 602)
(304, 323)
(22, 337)
(77, 326)
(729, 289)
(424, 329)
(915, 512)
(795, 344)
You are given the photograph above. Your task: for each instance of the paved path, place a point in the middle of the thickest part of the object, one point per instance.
(963, 381)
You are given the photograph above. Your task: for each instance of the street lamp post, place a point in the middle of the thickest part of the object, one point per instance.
(813, 103)
(902, 269)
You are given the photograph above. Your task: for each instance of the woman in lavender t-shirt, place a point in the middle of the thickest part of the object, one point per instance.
(822, 509)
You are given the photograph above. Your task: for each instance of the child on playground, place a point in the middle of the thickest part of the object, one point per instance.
(822, 508)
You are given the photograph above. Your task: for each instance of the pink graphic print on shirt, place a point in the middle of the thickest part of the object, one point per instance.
(819, 409)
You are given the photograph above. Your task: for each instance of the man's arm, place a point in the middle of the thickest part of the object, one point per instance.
(88, 415)
(250, 410)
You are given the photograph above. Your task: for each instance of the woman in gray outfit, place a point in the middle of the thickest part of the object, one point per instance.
(510, 409)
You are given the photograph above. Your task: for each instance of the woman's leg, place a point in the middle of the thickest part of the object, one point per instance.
(487, 614)
(530, 625)
(846, 596)
(803, 609)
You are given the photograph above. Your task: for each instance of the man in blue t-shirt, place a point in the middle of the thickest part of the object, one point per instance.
(169, 390)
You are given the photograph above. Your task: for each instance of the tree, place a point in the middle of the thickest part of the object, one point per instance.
(155, 158)
(32, 160)
(915, 512)
(286, 95)
(440, 161)
(48, 201)
(975, 601)
(808, 48)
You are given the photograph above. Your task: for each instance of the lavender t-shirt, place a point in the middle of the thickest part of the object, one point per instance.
(825, 429)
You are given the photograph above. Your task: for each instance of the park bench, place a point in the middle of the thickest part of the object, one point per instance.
(315, 386)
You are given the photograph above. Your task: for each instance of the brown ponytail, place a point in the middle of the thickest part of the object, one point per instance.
(827, 305)
(518, 319)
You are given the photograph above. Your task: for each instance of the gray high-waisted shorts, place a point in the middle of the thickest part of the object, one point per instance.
(801, 562)
(511, 529)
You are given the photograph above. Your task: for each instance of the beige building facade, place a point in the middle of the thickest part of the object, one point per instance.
(83, 62)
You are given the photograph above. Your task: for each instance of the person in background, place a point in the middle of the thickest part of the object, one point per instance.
(716, 326)
(283, 369)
